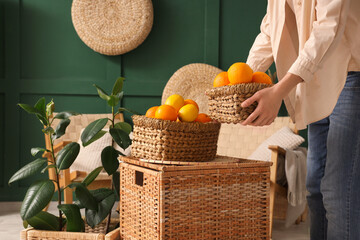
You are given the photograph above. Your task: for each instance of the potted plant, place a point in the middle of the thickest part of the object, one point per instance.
(97, 203)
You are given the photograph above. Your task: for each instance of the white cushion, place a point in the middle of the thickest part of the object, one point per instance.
(284, 138)
(89, 157)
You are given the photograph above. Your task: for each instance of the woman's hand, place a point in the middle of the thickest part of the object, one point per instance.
(269, 101)
(268, 107)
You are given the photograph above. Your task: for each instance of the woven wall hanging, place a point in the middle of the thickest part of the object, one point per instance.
(191, 81)
(112, 27)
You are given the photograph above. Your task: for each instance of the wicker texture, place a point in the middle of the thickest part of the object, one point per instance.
(220, 201)
(97, 233)
(236, 140)
(225, 102)
(112, 27)
(191, 82)
(174, 141)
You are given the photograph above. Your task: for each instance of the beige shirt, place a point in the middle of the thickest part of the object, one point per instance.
(318, 41)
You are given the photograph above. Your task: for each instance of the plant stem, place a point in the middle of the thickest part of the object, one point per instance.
(57, 181)
(112, 184)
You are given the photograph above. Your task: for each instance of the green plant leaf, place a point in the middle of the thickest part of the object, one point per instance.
(44, 221)
(50, 107)
(113, 101)
(92, 176)
(25, 224)
(78, 203)
(101, 193)
(116, 182)
(47, 167)
(96, 137)
(41, 106)
(121, 137)
(65, 115)
(84, 196)
(48, 130)
(61, 128)
(124, 126)
(67, 155)
(36, 150)
(118, 86)
(42, 119)
(120, 110)
(37, 197)
(29, 109)
(74, 222)
(92, 129)
(109, 159)
(28, 170)
(95, 217)
(120, 95)
(102, 93)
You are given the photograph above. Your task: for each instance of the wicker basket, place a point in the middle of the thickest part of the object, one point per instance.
(174, 141)
(98, 233)
(226, 199)
(225, 102)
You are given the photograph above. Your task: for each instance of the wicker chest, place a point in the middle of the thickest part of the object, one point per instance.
(224, 199)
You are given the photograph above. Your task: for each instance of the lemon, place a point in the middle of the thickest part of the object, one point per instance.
(188, 113)
(176, 101)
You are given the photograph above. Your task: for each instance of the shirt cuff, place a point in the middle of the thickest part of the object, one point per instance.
(304, 68)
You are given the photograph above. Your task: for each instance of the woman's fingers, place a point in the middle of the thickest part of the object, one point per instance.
(250, 119)
(250, 100)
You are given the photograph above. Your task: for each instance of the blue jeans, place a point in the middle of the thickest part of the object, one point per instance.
(333, 165)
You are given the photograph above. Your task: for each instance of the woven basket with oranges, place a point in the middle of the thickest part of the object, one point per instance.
(233, 87)
(175, 131)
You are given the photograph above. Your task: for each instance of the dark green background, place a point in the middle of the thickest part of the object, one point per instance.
(41, 55)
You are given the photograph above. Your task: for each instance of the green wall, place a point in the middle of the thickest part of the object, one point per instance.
(41, 55)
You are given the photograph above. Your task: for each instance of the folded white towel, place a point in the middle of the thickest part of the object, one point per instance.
(295, 170)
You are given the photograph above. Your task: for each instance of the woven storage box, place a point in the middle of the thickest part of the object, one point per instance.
(174, 141)
(98, 233)
(225, 102)
(224, 199)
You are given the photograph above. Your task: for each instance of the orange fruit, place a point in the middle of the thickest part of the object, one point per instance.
(189, 101)
(150, 113)
(221, 80)
(240, 73)
(261, 77)
(203, 118)
(188, 113)
(166, 112)
(176, 101)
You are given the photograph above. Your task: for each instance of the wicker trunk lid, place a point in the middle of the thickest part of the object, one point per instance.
(224, 199)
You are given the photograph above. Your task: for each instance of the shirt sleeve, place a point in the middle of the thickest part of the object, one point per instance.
(260, 56)
(327, 32)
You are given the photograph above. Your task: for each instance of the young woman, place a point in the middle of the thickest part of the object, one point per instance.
(316, 48)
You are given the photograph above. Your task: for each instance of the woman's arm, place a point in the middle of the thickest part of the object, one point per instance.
(269, 101)
(325, 36)
(260, 56)
(327, 32)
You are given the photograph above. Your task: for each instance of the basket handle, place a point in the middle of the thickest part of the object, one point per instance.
(139, 178)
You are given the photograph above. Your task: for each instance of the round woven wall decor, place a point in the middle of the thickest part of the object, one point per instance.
(112, 27)
(191, 82)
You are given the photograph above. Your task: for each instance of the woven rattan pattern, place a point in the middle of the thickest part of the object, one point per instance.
(174, 141)
(112, 27)
(202, 204)
(236, 140)
(225, 102)
(97, 233)
(191, 81)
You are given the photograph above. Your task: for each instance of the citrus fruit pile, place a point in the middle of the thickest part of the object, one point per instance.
(240, 73)
(178, 109)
